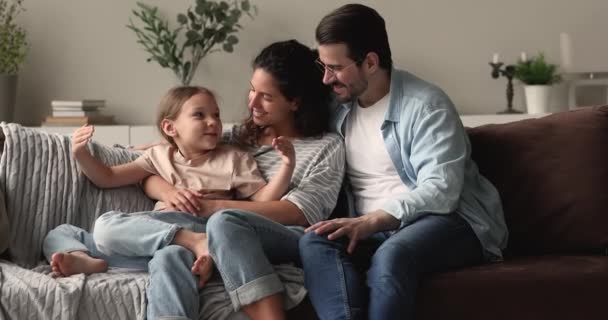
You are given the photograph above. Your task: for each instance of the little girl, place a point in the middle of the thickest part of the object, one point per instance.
(189, 119)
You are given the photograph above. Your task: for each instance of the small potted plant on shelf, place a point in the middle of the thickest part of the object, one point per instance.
(538, 76)
(13, 49)
(208, 25)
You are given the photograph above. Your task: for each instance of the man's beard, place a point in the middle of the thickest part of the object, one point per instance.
(352, 92)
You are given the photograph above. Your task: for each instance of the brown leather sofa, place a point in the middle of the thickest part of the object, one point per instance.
(552, 175)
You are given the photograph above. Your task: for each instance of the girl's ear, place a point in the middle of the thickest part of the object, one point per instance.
(168, 128)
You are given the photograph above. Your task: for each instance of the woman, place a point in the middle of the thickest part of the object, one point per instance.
(286, 98)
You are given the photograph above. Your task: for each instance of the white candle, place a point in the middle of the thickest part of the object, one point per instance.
(495, 57)
(565, 43)
(524, 57)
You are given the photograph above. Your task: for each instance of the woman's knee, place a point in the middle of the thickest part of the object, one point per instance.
(225, 221)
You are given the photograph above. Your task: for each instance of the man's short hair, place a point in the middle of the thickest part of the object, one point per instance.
(361, 29)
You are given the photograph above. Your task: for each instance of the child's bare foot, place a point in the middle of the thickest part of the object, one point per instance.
(197, 243)
(203, 267)
(64, 264)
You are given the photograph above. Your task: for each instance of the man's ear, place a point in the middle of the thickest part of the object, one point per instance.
(168, 128)
(372, 62)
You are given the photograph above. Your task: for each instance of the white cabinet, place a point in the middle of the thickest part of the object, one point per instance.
(108, 135)
(140, 135)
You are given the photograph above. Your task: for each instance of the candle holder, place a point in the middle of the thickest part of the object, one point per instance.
(508, 71)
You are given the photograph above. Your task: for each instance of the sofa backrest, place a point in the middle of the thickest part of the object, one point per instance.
(43, 188)
(552, 176)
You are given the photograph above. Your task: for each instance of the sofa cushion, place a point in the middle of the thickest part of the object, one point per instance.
(552, 176)
(544, 287)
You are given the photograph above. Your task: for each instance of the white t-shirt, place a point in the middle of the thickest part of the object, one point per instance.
(369, 168)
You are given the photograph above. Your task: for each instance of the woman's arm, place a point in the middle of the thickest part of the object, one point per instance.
(281, 211)
(279, 183)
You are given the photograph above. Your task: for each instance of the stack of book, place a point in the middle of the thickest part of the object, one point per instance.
(77, 112)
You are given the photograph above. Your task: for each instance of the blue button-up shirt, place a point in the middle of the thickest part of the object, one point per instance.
(430, 149)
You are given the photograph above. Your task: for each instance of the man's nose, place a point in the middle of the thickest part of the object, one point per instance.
(328, 76)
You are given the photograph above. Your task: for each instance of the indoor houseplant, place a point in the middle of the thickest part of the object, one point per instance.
(538, 75)
(13, 49)
(202, 30)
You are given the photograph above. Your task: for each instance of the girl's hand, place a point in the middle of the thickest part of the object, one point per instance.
(286, 149)
(80, 138)
(184, 200)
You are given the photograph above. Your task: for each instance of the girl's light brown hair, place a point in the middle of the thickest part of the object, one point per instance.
(171, 105)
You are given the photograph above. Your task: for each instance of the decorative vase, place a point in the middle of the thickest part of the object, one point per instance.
(537, 98)
(8, 93)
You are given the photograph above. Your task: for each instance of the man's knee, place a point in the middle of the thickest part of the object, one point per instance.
(310, 243)
(394, 261)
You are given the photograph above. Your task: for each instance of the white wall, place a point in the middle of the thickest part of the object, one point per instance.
(82, 49)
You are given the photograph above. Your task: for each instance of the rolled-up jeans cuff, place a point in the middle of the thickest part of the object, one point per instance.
(170, 235)
(256, 290)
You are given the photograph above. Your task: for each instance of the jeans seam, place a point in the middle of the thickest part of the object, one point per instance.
(340, 268)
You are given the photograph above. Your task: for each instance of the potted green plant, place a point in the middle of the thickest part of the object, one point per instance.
(206, 26)
(538, 76)
(13, 49)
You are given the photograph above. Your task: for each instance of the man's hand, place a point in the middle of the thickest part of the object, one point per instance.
(355, 228)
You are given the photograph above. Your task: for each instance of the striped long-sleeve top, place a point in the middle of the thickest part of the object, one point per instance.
(317, 176)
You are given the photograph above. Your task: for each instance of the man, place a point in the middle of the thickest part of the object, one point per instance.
(420, 204)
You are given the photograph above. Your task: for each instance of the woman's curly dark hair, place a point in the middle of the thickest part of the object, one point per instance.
(293, 67)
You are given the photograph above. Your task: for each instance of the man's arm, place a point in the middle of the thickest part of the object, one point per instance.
(439, 152)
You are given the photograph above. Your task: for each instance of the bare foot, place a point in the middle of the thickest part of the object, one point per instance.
(203, 267)
(197, 243)
(64, 264)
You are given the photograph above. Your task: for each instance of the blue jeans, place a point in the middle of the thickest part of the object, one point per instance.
(142, 241)
(338, 289)
(244, 246)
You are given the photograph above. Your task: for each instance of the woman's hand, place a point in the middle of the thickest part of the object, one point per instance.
(286, 149)
(80, 138)
(208, 207)
(185, 200)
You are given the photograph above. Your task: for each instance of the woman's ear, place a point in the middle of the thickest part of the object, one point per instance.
(295, 104)
(168, 128)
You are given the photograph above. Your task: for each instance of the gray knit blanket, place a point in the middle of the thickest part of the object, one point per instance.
(44, 188)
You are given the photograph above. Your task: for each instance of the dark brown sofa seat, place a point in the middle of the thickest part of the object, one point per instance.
(552, 175)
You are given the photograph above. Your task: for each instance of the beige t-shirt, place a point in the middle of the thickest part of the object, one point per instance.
(226, 171)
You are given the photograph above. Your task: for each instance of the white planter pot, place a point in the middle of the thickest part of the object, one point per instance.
(8, 92)
(537, 98)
